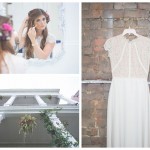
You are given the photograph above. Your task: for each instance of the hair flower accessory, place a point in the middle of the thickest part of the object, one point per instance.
(5, 32)
(6, 27)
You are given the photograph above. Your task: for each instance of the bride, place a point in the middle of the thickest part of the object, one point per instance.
(36, 41)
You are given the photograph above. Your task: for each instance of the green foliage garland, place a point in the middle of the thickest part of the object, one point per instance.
(58, 139)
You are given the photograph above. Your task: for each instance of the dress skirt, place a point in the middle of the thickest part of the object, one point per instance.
(128, 114)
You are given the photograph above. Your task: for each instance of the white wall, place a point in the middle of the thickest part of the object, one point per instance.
(71, 39)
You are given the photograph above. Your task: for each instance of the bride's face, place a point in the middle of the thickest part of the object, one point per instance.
(40, 22)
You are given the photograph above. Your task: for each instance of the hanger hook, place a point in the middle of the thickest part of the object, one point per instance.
(130, 22)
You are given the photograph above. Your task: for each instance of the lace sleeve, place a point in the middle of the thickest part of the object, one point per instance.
(107, 45)
(51, 39)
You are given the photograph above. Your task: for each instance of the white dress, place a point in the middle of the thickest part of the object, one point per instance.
(128, 114)
(50, 39)
(15, 64)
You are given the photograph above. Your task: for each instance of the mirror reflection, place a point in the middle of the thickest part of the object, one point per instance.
(37, 36)
(36, 41)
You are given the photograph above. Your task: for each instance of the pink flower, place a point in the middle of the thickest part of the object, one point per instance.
(6, 27)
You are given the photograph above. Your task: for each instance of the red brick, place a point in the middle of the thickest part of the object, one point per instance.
(95, 140)
(98, 141)
(86, 14)
(103, 132)
(118, 5)
(104, 55)
(96, 6)
(89, 74)
(92, 131)
(142, 31)
(98, 96)
(86, 23)
(101, 105)
(97, 49)
(107, 23)
(108, 5)
(106, 87)
(94, 103)
(149, 77)
(144, 23)
(101, 114)
(96, 13)
(102, 123)
(136, 13)
(88, 113)
(101, 6)
(103, 33)
(88, 122)
(144, 6)
(98, 44)
(104, 76)
(85, 6)
(87, 60)
(113, 14)
(84, 88)
(131, 23)
(103, 63)
(91, 98)
(84, 131)
(106, 96)
(86, 140)
(93, 87)
(130, 6)
(86, 42)
(117, 31)
(87, 51)
(118, 23)
(86, 35)
(104, 73)
(95, 24)
(125, 6)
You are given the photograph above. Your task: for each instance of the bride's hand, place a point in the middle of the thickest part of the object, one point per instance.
(25, 22)
(32, 34)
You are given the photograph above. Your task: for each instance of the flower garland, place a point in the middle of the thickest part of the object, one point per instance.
(27, 123)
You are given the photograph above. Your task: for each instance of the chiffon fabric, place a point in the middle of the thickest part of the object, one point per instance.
(128, 113)
(15, 64)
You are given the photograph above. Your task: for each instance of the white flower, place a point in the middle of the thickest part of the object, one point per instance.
(7, 38)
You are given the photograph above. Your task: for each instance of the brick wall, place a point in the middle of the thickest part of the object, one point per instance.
(101, 21)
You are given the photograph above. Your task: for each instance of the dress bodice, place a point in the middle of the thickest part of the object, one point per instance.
(50, 39)
(129, 58)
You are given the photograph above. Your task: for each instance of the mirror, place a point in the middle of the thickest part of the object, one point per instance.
(64, 25)
(54, 26)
